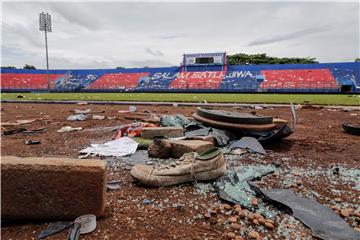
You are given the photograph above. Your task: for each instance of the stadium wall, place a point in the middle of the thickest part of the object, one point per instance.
(322, 78)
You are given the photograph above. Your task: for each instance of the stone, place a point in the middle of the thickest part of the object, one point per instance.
(255, 221)
(238, 238)
(261, 221)
(338, 200)
(207, 215)
(230, 235)
(257, 215)
(254, 235)
(160, 148)
(220, 220)
(179, 147)
(269, 225)
(251, 216)
(171, 132)
(270, 221)
(227, 206)
(233, 219)
(235, 226)
(254, 202)
(52, 188)
(346, 212)
(242, 214)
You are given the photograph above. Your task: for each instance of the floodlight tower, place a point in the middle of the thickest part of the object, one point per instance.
(45, 25)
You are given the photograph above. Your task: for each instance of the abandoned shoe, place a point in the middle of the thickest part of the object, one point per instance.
(208, 165)
(160, 148)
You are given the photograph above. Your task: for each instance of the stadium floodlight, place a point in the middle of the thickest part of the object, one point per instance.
(45, 26)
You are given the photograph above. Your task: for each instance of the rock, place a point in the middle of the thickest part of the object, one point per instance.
(160, 148)
(346, 212)
(171, 132)
(269, 225)
(220, 220)
(255, 221)
(227, 206)
(233, 219)
(251, 216)
(270, 221)
(230, 235)
(238, 238)
(207, 215)
(242, 214)
(237, 206)
(338, 200)
(254, 235)
(257, 215)
(235, 226)
(179, 147)
(261, 220)
(254, 202)
(52, 188)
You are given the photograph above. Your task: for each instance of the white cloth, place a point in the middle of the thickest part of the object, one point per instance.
(117, 148)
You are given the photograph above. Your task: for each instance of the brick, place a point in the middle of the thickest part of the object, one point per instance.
(171, 132)
(52, 188)
(179, 147)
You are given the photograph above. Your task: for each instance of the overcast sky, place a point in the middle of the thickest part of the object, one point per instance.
(106, 35)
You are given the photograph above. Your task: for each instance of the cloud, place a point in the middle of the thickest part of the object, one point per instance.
(154, 52)
(289, 36)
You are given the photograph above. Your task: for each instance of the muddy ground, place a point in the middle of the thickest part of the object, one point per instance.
(307, 159)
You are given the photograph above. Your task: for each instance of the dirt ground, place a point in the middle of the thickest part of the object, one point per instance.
(318, 144)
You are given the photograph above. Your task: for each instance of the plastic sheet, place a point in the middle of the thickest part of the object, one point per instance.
(234, 187)
(178, 120)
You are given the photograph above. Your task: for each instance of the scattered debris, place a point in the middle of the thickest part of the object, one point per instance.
(114, 185)
(31, 142)
(80, 111)
(248, 143)
(53, 228)
(233, 186)
(351, 128)
(323, 221)
(69, 129)
(119, 147)
(20, 122)
(146, 201)
(77, 117)
(98, 117)
(132, 108)
(177, 120)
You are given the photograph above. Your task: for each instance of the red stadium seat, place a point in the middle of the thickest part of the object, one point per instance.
(117, 81)
(298, 79)
(27, 81)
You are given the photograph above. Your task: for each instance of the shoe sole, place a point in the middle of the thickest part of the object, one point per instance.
(164, 181)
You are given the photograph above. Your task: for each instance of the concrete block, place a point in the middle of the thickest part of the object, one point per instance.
(179, 147)
(171, 132)
(52, 188)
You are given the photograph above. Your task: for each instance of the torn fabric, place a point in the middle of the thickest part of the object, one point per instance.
(117, 148)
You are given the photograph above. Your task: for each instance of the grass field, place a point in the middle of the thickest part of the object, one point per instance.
(323, 99)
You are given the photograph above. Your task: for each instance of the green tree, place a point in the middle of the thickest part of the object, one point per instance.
(9, 67)
(29, 67)
(357, 60)
(262, 58)
(120, 67)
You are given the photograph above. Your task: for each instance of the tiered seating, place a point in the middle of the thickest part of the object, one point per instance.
(117, 81)
(298, 79)
(198, 80)
(345, 75)
(27, 81)
(76, 81)
(156, 81)
(240, 80)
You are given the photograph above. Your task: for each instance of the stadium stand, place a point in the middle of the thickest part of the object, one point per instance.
(327, 77)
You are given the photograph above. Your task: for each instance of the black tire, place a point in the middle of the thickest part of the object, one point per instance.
(352, 129)
(233, 117)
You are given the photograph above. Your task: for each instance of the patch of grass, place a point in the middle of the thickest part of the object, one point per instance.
(323, 99)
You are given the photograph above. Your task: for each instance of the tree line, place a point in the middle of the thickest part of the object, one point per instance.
(241, 59)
